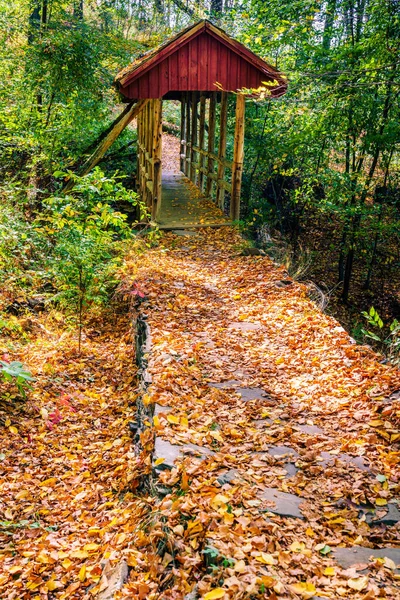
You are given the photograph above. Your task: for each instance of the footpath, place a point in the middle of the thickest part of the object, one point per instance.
(275, 470)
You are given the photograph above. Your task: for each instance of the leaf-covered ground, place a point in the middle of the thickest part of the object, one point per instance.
(325, 430)
(67, 469)
(321, 426)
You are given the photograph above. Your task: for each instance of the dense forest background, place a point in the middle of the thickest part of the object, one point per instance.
(321, 187)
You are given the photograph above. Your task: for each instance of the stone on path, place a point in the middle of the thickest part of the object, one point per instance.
(183, 232)
(245, 326)
(392, 516)
(286, 505)
(347, 557)
(228, 476)
(282, 451)
(309, 429)
(357, 461)
(171, 452)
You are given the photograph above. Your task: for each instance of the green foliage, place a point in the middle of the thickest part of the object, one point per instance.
(86, 233)
(14, 372)
(388, 343)
(328, 149)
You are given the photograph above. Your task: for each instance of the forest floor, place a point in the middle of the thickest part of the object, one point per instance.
(67, 468)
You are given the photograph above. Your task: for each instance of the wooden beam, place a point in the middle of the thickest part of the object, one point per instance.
(192, 174)
(211, 142)
(222, 148)
(188, 139)
(238, 154)
(106, 142)
(183, 132)
(200, 177)
(157, 154)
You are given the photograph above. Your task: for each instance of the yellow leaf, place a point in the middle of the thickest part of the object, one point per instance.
(279, 361)
(217, 436)
(310, 532)
(13, 430)
(380, 502)
(156, 421)
(48, 482)
(82, 573)
(219, 501)
(80, 554)
(389, 563)
(265, 558)
(159, 461)
(304, 589)
(7, 422)
(51, 585)
(184, 422)
(375, 423)
(44, 413)
(358, 584)
(240, 566)
(173, 419)
(329, 571)
(297, 546)
(214, 594)
(43, 558)
(91, 547)
(66, 564)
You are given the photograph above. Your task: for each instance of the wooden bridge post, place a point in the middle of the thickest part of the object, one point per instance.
(194, 138)
(182, 148)
(222, 150)
(156, 156)
(238, 154)
(188, 140)
(200, 178)
(211, 142)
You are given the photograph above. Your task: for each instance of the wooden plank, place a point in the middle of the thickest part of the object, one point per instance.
(211, 143)
(157, 155)
(192, 172)
(200, 178)
(106, 142)
(188, 133)
(168, 48)
(183, 141)
(238, 154)
(222, 149)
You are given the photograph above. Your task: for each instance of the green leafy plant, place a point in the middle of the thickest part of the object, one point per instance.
(87, 234)
(15, 372)
(389, 344)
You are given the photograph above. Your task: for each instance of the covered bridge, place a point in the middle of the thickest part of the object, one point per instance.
(200, 67)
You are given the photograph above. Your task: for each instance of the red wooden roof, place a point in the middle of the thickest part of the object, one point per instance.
(200, 58)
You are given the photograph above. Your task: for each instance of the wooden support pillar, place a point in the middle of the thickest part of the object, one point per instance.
(156, 154)
(200, 178)
(194, 138)
(188, 137)
(138, 158)
(222, 150)
(238, 154)
(182, 149)
(211, 142)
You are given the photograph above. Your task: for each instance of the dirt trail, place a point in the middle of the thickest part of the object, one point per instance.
(295, 434)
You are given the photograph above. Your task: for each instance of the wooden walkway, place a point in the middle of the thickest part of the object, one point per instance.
(183, 206)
